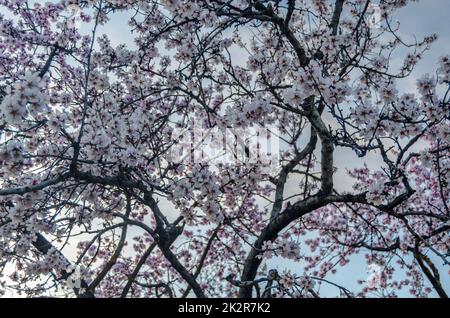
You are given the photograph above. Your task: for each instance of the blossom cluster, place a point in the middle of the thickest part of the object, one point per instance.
(23, 99)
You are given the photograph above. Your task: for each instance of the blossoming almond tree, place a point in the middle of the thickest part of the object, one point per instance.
(94, 203)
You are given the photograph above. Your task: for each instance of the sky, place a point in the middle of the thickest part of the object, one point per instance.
(417, 20)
